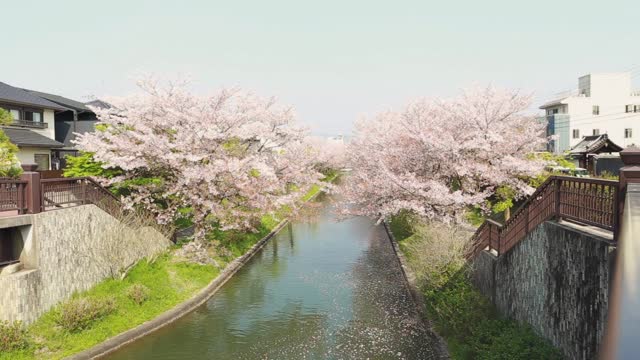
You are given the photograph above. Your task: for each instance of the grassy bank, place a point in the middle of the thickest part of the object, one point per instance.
(461, 315)
(148, 290)
(166, 281)
(114, 306)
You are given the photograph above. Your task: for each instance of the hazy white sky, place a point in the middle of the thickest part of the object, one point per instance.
(332, 60)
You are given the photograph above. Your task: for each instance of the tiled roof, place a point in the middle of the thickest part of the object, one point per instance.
(593, 144)
(19, 96)
(26, 137)
(60, 100)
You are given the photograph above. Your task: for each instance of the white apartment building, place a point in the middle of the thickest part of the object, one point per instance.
(604, 103)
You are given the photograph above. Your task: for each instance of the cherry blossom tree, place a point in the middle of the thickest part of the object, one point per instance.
(330, 153)
(437, 158)
(228, 158)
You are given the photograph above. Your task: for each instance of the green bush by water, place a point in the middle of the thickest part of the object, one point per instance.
(473, 330)
(79, 314)
(138, 293)
(461, 314)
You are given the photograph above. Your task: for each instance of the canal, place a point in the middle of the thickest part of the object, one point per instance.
(320, 289)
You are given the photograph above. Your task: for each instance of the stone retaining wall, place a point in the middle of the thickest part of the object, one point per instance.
(70, 250)
(556, 280)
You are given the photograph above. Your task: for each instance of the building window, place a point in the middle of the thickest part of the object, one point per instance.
(629, 108)
(25, 114)
(628, 134)
(596, 110)
(576, 133)
(596, 131)
(30, 115)
(42, 160)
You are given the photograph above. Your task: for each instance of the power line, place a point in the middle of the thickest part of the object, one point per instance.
(601, 118)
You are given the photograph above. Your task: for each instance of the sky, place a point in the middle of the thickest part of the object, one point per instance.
(333, 61)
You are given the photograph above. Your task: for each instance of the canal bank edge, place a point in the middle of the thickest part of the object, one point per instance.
(442, 351)
(180, 310)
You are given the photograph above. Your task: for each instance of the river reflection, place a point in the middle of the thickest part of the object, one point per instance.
(320, 289)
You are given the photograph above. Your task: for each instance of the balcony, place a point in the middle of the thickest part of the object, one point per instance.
(30, 124)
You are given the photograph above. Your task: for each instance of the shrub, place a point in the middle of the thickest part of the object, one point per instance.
(9, 164)
(460, 313)
(436, 251)
(85, 165)
(79, 314)
(13, 336)
(138, 293)
(467, 318)
(401, 225)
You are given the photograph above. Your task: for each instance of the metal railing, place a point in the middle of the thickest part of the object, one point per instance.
(31, 124)
(13, 196)
(583, 200)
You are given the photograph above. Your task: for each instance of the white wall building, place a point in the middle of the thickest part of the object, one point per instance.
(33, 127)
(604, 103)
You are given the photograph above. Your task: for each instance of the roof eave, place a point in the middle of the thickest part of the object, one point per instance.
(13, 102)
(40, 146)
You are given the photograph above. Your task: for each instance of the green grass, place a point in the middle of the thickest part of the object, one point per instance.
(473, 329)
(465, 318)
(315, 189)
(400, 226)
(170, 283)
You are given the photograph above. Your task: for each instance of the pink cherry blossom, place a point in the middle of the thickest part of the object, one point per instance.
(439, 157)
(231, 157)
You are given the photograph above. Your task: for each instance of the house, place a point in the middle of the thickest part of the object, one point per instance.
(33, 127)
(603, 103)
(77, 118)
(587, 150)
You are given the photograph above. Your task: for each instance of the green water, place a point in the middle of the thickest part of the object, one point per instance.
(320, 289)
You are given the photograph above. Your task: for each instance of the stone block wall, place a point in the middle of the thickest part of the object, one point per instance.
(67, 251)
(556, 280)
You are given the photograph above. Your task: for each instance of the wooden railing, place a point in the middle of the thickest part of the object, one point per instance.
(66, 192)
(583, 200)
(13, 196)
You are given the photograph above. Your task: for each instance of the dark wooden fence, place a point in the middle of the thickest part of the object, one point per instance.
(583, 200)
(12, 196)
(65, 192)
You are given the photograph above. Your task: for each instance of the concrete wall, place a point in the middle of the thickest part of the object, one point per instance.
(556, 280)
(70, 250)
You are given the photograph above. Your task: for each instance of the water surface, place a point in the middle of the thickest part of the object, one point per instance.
(320, 289)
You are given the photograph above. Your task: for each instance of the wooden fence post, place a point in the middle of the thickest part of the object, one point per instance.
(557, 186)
(33, 192)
